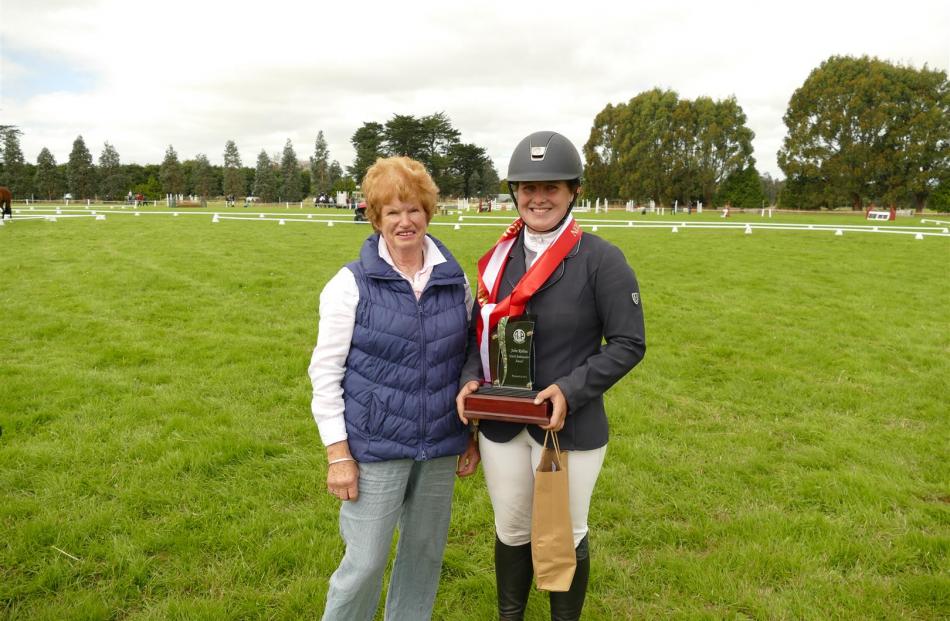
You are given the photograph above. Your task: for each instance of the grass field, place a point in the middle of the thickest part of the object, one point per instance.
(781, 453)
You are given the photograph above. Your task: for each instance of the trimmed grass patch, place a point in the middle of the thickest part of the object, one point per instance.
(780, 453)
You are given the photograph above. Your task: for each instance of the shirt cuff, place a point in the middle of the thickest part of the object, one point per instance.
(332, 430)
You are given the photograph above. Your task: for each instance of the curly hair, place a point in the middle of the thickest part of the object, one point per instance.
(398, 178)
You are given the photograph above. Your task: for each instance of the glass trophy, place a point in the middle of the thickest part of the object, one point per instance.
(510, 396)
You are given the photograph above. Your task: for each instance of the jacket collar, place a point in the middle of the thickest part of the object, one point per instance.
(447, 272)
(517, 267)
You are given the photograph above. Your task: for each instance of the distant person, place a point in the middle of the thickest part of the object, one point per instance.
(385, 372)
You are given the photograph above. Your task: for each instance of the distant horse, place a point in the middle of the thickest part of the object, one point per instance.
(6, 201)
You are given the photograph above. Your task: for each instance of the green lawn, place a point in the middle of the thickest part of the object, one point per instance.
(781, 453)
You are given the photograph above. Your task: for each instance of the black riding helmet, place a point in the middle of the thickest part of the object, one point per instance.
(545, 156)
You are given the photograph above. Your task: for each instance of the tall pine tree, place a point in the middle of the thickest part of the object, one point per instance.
(320, 166)
(81, 173)
(170, 173)
(113, 184)
(202, 176)
(47, 181)
(14, 170)
(289, 174)
(265, 181)
(233, 182)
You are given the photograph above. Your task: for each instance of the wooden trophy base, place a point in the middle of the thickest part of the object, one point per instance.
(509, 405)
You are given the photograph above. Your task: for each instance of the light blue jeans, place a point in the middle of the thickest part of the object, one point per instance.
(416, 495)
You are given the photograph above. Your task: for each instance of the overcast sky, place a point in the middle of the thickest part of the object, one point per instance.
(193, 74)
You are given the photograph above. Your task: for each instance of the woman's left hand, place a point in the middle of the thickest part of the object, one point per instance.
(468, 461)
(559, 403)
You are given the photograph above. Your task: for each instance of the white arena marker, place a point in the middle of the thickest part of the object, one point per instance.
(281, 221)
(214, 220)
(92, 212)
(330, 223)
(260, 215)
(309, 216)
(175, 214)
(675, 229)
(59, 212)
(811, 227)
(630, 223)
(2, 223)
(593, 229)
(919, 236)
(838, 232)
(461, 218)
(137, 214)
(51, 218)
(874, 228)
(457, 227)
(748, 230)
(100, 217)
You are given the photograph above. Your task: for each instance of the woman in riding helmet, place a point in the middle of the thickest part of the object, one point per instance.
(588, 334)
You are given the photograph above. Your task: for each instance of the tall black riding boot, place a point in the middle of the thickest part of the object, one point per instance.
(567, 606)
(513, 573)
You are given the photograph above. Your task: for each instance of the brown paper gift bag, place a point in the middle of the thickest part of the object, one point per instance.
(552, 534)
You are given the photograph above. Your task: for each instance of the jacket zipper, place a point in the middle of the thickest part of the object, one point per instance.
(423, 419)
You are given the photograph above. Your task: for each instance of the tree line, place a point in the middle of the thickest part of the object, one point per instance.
(859, 131)
(274, 178)
(458, 168)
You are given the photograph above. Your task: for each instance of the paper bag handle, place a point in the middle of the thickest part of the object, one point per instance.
(555, 445)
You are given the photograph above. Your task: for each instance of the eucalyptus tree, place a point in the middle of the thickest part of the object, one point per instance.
(865, 129)
(660, 147)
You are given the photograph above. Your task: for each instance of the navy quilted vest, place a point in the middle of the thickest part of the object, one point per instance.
(405, 358)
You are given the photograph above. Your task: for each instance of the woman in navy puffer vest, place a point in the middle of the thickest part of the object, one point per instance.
(385, 373)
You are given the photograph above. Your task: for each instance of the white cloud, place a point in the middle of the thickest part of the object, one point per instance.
(195, 74)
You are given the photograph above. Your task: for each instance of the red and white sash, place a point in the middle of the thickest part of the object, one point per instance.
(492, 266)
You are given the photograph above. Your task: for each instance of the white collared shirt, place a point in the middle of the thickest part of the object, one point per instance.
(338, 302)
(535, 244)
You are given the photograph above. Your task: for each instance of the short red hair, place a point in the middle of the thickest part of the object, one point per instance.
(398, 178)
